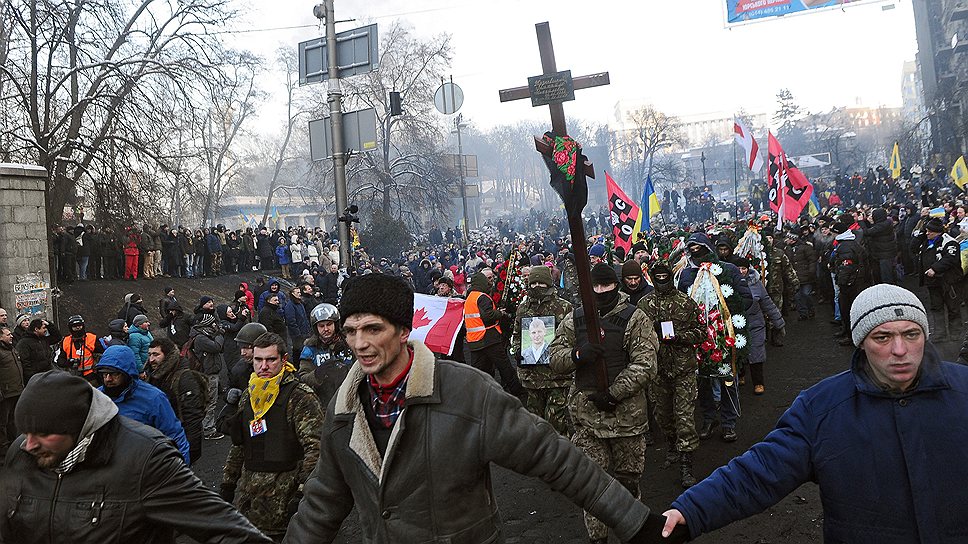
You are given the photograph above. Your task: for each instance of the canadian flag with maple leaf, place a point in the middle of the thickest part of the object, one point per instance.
(437, 321)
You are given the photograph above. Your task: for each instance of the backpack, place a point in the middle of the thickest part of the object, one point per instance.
(199, 378)
(188, 354)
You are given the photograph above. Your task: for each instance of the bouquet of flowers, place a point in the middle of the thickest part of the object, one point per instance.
(713, 290)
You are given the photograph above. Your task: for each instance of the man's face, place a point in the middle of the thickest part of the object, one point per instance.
(790, 241)
(274, 299)
(49, 450)
(326, 329)
(42, 330)
(600, 288)
(640, 256)
(333, 269)
(376, 343)
(267, 362)
(3, 316)
(6, 336)
(723, 251)
(111, 377)
(144, 326)
(443, 289)
(155, 356)
(77, 329)
(894, 351)
(594, 259)
(245, 350)
(489, 274)
(296, 294)
(632, 282)
(932, 235)
(210, 305)
(537, 331)
(274, 287)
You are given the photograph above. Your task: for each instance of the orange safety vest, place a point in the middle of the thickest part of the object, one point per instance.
(472, 318)
(83, 357)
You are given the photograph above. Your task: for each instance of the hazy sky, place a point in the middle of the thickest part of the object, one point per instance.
(676, 54)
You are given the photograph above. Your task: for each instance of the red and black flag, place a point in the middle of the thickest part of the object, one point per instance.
(789, 189)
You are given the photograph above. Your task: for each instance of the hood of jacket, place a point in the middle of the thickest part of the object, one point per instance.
(136, 330)
(102, 410)
(479, 282)
(120, 358)
(167, 366)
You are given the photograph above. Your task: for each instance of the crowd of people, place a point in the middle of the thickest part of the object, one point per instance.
(84, 252)
(309, 371)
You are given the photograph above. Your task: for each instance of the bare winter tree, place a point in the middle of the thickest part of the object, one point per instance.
(81, 79)
(406, 173)
(654, 131)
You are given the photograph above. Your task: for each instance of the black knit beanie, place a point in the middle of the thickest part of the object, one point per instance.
(54, 402)
(603, 274)
(380, 294)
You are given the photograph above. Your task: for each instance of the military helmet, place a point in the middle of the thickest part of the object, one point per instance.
(323, 312)
(249, 332)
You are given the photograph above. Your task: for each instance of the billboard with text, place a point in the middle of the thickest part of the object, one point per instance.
(742, 11)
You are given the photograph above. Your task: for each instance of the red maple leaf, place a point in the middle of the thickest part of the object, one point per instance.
(420, 318)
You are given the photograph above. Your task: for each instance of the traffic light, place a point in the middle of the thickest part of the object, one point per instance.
(396, 103)
(349, 215)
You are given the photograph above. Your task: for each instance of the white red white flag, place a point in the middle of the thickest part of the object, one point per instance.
(751, 155)
(437, 321)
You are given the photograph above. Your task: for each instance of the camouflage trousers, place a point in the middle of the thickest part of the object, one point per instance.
(552, 406)
(264, 497)
(675, 410)
(623, 458)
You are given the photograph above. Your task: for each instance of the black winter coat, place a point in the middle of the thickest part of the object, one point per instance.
(35, 353)
(880, 240)
(803, 258)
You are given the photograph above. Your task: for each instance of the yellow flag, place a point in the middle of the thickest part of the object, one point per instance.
(896, 162)
(959, 173)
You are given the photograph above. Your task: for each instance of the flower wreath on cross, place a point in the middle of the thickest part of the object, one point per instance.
(564, 152)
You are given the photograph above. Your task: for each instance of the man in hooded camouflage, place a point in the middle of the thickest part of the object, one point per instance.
(610, 425)
(547, 391)
(674, 389)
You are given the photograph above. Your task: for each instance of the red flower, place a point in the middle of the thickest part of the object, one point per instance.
(716, 356)
(707, 345)
(730, 341)
(561, 157)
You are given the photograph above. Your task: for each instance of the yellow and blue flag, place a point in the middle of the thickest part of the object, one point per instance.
(936, 212)
(813, 205)
(959, 173)
(896, 162)
(648, 206)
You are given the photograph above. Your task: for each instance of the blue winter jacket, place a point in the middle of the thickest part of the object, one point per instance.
(282, 254)
(891, 467)
(296, 320)
(139, 340)
(283, 299)
(142, 401)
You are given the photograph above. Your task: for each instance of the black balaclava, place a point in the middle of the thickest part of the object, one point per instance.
(603, 274)
(700, 253)
(662, 286)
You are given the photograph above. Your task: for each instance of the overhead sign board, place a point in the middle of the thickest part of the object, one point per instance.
(357, 52)
(452, 161)
(359, 134)
(744, 11)
(551, 88)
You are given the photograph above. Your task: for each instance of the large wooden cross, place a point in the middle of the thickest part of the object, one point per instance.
(552, 88)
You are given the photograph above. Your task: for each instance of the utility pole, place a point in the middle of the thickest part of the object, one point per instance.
(460, 168)
(702, 159)
(335, 98)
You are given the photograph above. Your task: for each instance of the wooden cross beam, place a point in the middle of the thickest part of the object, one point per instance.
(552, 88)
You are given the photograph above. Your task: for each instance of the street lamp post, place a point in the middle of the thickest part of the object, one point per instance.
(702, 159)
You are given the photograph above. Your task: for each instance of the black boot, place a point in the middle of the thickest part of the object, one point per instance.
(671, 458)
(686, 479)
(707, 429)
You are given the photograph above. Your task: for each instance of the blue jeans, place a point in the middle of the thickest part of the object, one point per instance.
(836, 297)
(189, 265)
(82, 267)
(804, 300)
(728, 409)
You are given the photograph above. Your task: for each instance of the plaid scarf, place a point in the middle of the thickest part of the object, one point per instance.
(388, 400)
(75, 456)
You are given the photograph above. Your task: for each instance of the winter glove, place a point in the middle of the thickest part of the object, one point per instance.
(651, 532)
(604, 401)
(780, 332)
(227, 492)
(587, 352)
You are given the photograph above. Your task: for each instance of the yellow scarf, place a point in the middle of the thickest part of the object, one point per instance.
(263, 391)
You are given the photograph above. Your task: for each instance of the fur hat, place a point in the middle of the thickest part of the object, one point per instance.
(934, 225)
(881, 304)
(380, 294)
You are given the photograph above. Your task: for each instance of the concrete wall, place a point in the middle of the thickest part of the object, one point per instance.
(23, 238)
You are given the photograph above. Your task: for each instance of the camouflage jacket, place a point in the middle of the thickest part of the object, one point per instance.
(782, 278)
(264, 497)
(677, 357)
(630, 418)
(538, 376)
(569, 281)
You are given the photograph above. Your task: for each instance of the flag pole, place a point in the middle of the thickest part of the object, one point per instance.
(735, 184)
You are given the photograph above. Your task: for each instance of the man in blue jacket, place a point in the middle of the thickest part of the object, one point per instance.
(137, 399)
(885, 441)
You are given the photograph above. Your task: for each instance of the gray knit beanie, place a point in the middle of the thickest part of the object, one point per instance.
(883, 303)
